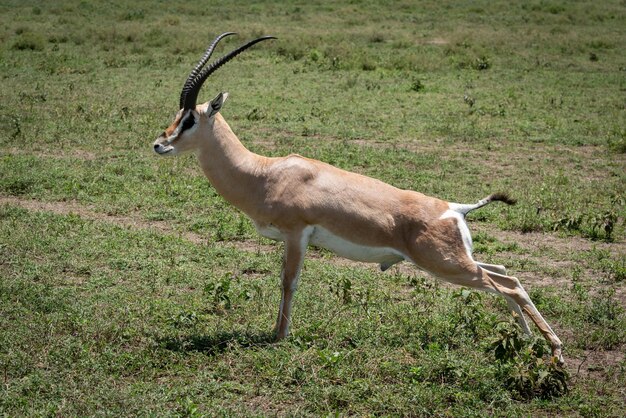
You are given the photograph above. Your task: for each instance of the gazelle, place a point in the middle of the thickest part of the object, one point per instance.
(306, 202)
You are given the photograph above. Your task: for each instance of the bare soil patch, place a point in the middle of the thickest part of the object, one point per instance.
(595, 364)
(559, 256)
(75, 208)
(537, 241)
(437, 41)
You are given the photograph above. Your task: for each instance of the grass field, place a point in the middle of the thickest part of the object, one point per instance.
(129, 287)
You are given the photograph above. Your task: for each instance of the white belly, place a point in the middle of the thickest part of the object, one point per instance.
(321, 237)
(269, 231)
(384, 255)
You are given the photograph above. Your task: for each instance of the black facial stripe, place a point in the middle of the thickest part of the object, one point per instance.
(188, 123)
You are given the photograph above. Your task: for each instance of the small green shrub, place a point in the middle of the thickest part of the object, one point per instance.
(617, 140)
(603, 224)
(221, 293)
(595, 226)
(29, 42)
(17, 187)
(604, 309)
(469, 311)
(315, 55)
(183, 319)
(368, 64)
(481, 63)
(376, 38)
(342, 289)
(522, 366)
(417, 85)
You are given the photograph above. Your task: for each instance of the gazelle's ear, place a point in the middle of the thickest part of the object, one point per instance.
(216, 104)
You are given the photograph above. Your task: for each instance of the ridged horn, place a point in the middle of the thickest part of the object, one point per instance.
(189, 95)
(194, 73)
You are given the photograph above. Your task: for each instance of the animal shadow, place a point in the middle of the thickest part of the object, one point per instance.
(217, 343)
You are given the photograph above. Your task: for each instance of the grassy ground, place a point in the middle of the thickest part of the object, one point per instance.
(128, 287)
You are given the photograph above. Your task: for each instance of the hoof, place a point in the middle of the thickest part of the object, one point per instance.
(278, 336)
(557, 358)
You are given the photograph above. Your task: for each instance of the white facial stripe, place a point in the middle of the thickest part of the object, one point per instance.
(179, 129)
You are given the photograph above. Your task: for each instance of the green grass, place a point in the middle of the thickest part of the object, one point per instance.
(112, 319)
(452, 99)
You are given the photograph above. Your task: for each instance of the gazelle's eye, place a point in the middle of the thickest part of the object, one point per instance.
(187, 123)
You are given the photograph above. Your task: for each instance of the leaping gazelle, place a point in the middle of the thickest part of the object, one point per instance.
(306, 202)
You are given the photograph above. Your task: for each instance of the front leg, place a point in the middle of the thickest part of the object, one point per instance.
(295, 248)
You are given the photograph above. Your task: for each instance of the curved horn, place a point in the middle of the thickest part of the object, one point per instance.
(193, 74)
(191, 89)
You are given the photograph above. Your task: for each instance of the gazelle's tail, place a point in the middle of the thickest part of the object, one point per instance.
(495, 197)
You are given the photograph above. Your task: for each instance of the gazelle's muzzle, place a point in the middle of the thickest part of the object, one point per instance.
(162, 146)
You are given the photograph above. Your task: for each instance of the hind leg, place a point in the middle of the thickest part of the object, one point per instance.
(447, 253)
(519, 316)
(496, 268)
(513, 306)
(511, 288)
(472, 275)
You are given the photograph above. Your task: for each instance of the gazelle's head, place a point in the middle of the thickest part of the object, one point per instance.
(183, 134)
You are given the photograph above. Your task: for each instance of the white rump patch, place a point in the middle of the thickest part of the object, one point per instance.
(462, 225)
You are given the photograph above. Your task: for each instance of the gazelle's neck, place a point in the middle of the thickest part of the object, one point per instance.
(230, 167)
